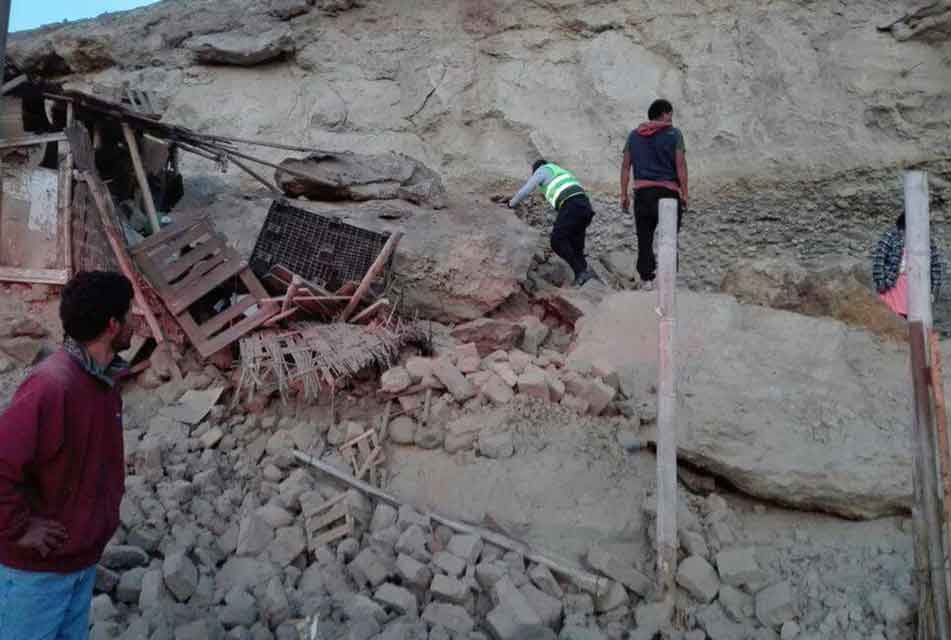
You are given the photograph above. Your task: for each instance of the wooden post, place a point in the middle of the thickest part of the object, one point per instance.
(141, 177)
(941, 433)
(933, 603)
(666, 401)
(374, 270)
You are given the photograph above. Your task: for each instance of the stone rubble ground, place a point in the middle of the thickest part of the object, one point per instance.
(212, 541)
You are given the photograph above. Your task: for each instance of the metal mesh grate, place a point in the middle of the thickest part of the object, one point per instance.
(321, 249)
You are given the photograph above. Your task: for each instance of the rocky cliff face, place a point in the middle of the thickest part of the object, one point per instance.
(798, 115)
(475, 88)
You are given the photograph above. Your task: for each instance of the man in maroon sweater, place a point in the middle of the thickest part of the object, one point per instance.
(62, 470)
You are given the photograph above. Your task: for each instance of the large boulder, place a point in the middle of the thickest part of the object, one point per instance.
(243, 48)
(354, 176)
(803, 411)
(452, 265)
(840, 288)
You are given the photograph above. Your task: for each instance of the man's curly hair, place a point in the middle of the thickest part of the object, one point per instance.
(90, 299)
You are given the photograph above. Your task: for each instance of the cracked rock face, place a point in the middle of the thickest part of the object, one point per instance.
(476, 91)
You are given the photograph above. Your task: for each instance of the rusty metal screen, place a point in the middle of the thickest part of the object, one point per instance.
(322, 249)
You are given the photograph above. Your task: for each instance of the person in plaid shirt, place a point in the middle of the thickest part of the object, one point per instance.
(888, 269)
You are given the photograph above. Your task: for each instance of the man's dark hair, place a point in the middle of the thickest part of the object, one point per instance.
(659, 108)
(538, 163)
(90, 299)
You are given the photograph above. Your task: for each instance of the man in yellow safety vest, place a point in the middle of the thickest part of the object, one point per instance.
(566, 196)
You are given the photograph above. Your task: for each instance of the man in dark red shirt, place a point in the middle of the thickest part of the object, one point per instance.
(62, 471)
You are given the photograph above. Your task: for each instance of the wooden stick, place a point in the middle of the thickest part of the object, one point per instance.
(231, 152)
(929, 548)
(259, 143)
(141, 177)
(666, 402)
(291, 292)
(104, 205)
(309, 299)
(941, 425)
(371, 274)
(254, 174)
(590, 582)
(369, 311)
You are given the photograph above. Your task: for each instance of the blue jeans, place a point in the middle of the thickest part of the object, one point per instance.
(45, 606)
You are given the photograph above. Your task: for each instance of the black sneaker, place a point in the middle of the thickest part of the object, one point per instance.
(584, 276)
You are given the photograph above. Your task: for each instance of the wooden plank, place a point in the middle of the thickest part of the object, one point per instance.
(926, 521)
(340, 532)
(167, 251)
(35, 276)
(233, 333)
(13, 84)
(666, 537)
(186, 297)
(198, 272)
(371, 274)
(67, 185)
(143, 181)
(254, 286)
(204, 250)
(367, 313)
(167, 234)
(335, 513)
(29, 140)
(941, 429)
(213, 325)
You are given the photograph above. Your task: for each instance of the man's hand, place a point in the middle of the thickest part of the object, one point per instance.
(43, 536)
(625, 203)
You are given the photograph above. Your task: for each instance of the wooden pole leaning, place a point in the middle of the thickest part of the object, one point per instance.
(933, 615)
(141, 177)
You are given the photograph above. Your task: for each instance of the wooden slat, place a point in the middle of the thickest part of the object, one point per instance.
(342, 531)
(28, 140)
(228, 336)
(34, 276)
(178, 268)
(167, 234)
(168, 249)
(187, 297)
(198, 272)
(254, 286)
(214, 325)
(324, 520)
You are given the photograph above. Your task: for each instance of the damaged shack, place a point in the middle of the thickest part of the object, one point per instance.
(92, 182)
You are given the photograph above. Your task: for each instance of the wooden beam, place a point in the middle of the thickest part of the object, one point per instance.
(34, 276)
(933, 614)
(941, 429)
(371, 274)
(13, 84)
(141, 177)
(588, 581)
(666, 402)
(25, 141)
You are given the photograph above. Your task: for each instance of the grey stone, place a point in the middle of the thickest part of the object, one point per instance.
(152, 593)
(408, 516)
(776, 604)
(413, 542)
(541, 576)
(534, 334)
(450, 616)
(357, 606)
(581, 633)
(239, 610)
(181, 576)
(612, 598)
(367, 569)
(413, 572)
(694, 544)
(496, 445)
(106, 580)
(254, 535)
(130, 585)
(275, 603)
(602, 560)
(737, 604)
(429, 437)
(512, 610)
(449, 589)
(457, 384)
(242, 49)
(718, 626)
(698, 578)
(397, 598)
(549, 609)
(395, 380)
(102, 609)
(122, 557)
(287, 546)
(738, 567)
(652, 617)
(467, 547)
(488, 573)
(384, 516)
(891, 608)
(204, 629)
(790, 631)
(453, 566)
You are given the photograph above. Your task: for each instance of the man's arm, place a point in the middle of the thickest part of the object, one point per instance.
(626, 180)
(30, 432)
(681, 159)
(537, 178)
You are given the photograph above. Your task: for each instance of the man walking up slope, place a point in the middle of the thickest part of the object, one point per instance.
(62, 472)
(655, 155)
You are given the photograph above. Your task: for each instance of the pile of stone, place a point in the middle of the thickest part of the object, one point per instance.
(488, 370)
